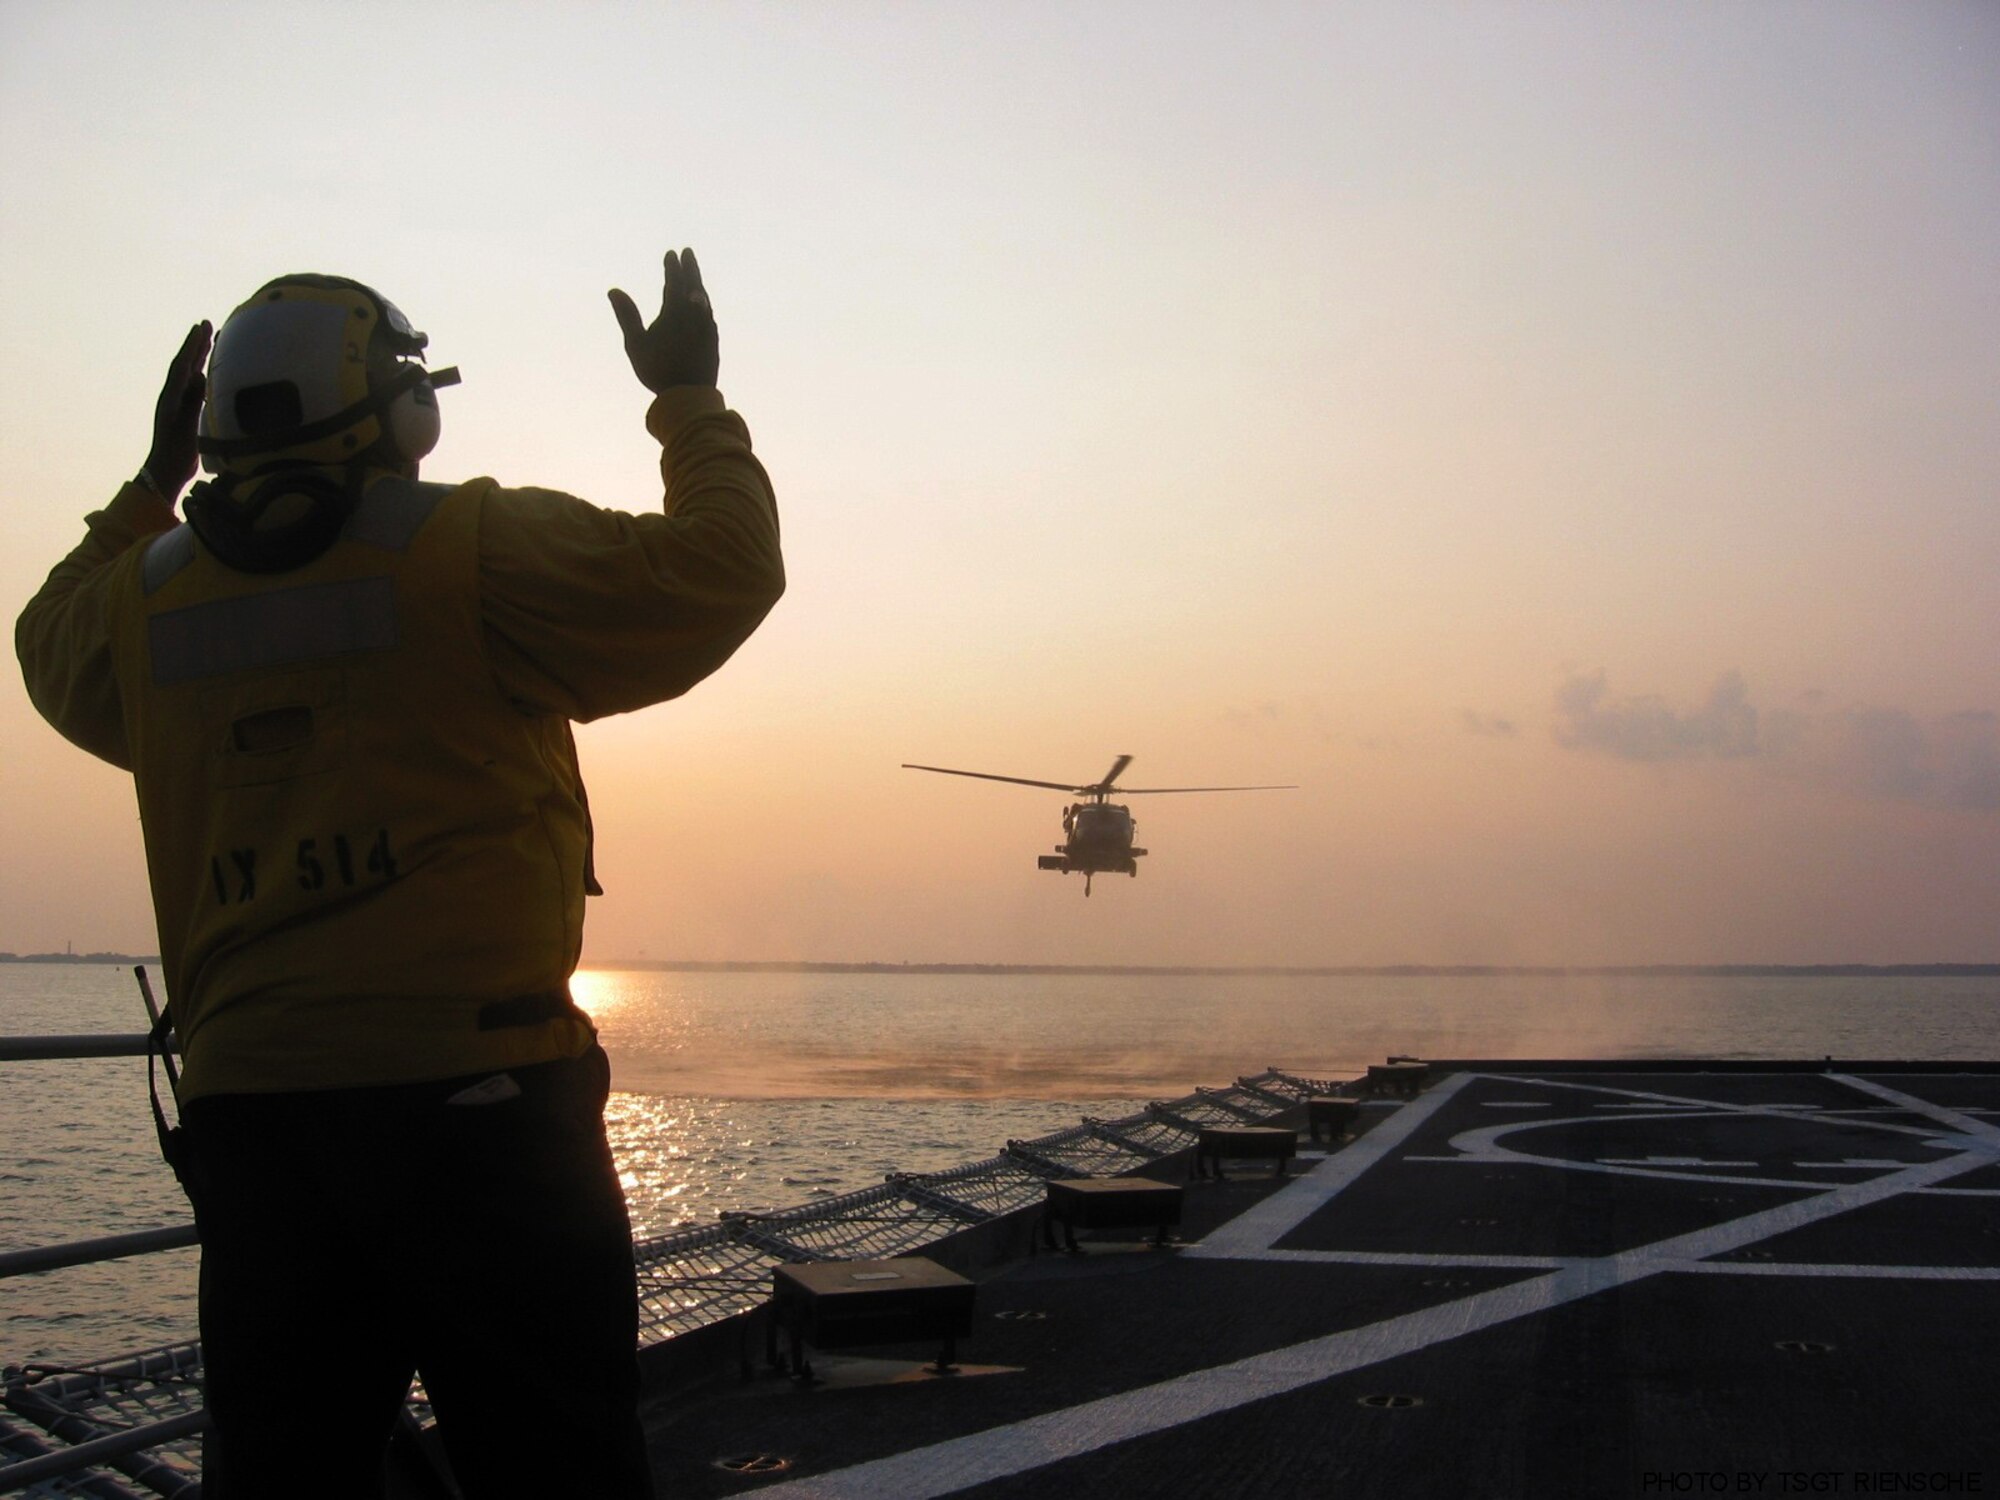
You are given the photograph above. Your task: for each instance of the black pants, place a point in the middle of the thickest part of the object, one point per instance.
(353, 1237)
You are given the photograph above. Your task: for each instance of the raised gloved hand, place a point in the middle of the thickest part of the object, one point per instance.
(679, 346)
(177, 416)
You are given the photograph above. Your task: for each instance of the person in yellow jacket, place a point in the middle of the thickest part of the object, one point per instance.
(345, 696)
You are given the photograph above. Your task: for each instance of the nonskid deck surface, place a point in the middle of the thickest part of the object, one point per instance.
(1548, 1282)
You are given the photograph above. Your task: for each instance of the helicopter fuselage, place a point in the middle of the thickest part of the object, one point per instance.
(1097, 840)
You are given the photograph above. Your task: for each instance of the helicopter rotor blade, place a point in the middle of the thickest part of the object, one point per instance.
(1154, 791)
(1117, 766)
(1054, 786)
(1099, 788)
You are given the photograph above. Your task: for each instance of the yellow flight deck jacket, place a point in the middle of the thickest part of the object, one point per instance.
(365, 825)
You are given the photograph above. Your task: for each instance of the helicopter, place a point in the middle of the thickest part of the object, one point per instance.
(1097, 835)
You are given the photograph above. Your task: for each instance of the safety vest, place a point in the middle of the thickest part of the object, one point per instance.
(367, 864)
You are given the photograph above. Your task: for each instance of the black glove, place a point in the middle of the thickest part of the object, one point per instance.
(679, 347)
(177, 416)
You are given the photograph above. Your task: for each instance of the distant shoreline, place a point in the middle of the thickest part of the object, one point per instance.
(79, 958)
(1378, 971)
(1311, 971)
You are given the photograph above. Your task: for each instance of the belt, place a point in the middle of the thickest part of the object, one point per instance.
(529, 1010)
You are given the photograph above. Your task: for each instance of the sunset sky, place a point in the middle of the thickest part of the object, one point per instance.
(1562, 438)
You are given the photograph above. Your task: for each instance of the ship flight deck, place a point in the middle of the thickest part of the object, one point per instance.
(1549, 1280)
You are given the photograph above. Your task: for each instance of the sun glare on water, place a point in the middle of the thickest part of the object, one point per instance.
(596, 994)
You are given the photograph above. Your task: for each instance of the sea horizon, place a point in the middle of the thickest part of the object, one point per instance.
(1948, 969)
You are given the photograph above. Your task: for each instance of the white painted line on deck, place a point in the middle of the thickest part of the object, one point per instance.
(1666, 1265)
(1856, 1161)
(1676, 1103)
(1484, 1147)
(1957, 1119)
(1447, 1262)
(1670, 1161)
(1658, 1101)
(1816, 1268)
(1278, 1215)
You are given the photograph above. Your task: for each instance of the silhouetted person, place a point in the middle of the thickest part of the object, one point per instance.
(345, 697)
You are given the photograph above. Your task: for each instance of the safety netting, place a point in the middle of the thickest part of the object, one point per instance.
(53, 1414)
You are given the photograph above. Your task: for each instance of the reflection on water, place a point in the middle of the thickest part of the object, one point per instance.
(685, 1159)
(598, 992)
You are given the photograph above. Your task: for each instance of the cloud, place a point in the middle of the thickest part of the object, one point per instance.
(1255, 715)
(1492, 725)
(1303, 717)
(1952, 760)
(1649, 729)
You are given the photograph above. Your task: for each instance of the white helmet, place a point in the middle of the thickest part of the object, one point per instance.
(318, 370)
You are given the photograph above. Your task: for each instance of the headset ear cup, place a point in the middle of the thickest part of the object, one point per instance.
(413, 423)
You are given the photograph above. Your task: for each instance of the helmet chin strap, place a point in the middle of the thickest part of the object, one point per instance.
(278, 521)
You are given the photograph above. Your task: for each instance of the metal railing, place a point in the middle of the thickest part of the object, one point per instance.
(66, 1048)
(89, 1252)
(112, 1246)
(45, 1397)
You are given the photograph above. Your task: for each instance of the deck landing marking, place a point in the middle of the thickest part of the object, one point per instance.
(1655, 1102)
(1856, 1161)
(978, 1458)
(1278, 1215)
(1852, 1268)
(1957, 1119)
(1678, 1266)
(1671, 1161)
